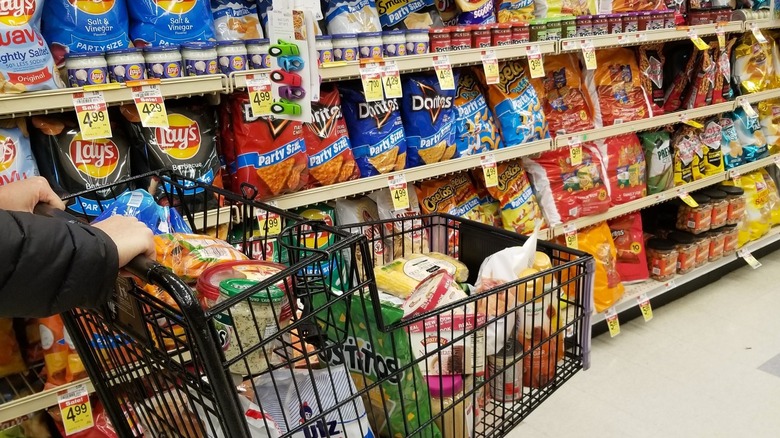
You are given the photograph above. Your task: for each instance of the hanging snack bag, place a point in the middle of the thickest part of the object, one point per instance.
(514, 10)
(699, 92)
(673, 98)
(375, 130)
(565, 191)
(769, 117)
(651, 65)
(16, 157)
(519, 209)
(75, 26)
(753, 70)
(475, 130)
(428, 115)
(327, 142)
(630, 245)
(711, 138)
(351, 16)
(616, 89)
(723, 91)
(624, 162)
(749, 136)
(567, 106)
(658, 156)
(688, 155)
(236, 20)
(162, 23)
(515, 104)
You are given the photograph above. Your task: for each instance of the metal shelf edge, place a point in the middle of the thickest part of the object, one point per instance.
(645, 37)
(36, 402)
(768, 23)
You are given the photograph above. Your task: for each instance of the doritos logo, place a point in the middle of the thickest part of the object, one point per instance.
(324, 118)
(379, 111)
(176, 6)
(94, 7)
(181, 140)
(8, 150)
(430, 101)
(17, 12)
(95, 158)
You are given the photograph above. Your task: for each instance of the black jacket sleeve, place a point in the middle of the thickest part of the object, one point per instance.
(50, 265)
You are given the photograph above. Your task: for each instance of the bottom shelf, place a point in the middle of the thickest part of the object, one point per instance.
(24, 384)
(653, 288)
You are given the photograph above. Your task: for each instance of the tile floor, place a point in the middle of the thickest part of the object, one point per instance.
(706, 365)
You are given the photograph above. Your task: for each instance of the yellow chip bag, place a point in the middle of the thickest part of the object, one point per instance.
(519, 209)
(758, 216)
(769, 117)
(753, 67)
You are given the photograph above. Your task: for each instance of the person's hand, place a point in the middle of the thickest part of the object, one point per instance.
(25, 194)
(131, 237)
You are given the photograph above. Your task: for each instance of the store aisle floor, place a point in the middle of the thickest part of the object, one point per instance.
(706, 365)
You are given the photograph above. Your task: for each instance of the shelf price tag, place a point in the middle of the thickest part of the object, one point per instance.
(490, 170)
(612, 322)
(570, 236)
(490, 65)
(749, 258)
(575, 151)
(644, 306)
(721, 36)
(748, 108)
(371, 76)
(259, 87)
(151, 106)
(391, 81)
(671, 284)
(757, 33)
(697, 41)
(92, 113)
(735, 176)
(269, 219)
(399, 192)
(684, 119)
(688, 199)
(589, 54)
(443, 69)
(535, 63)
(75, 409)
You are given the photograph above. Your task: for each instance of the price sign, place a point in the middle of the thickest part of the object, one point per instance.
(697, 41)
(371, 76)
(575, 151)
(644, 306)
(749, 258)
(721, 36)
(535, 61)
(76, 410)
(443, 69)
(570, 236)
(92, 113)
(748, 108)
(684, 119)
(735, 176)
(612, 322)
(399, 192)
(259, 87)
(589, 54)
(151, 106)
(757, 33)
(688, 199)
(490, 170)
(490, 64)
(391, 81)
(269, 223)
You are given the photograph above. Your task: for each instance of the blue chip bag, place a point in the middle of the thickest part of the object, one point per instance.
(393, 12)
(475, 130)
(169, 22)
(729, 143)
(428, 113)
(375, 130)
(17, 161)
(351, 16)
(142, 206)
(476, 11)
(750, 136)
(77, 26)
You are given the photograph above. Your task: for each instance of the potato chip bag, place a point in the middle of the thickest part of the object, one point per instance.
(159, 23)
(476, 11)
(753, 70)
(17, 161)
(514, 10)
(630, 245)
(565, 191)
(327, 143)
(516, 106)
(774, 198)
(475, 129)
(769, 117)
(651, 65)
(688, 155)
(711, 137)
(615, 88)
(351, 16)
(658, 156)
(733, 154)
(682, 55)
(723, 91)
(566, 104)
(624, 162)
(63, 364)
(428, 114)
(236, 20)
(396, 14)
(519, 208)
(749, 136)
(188, 255)
(758, 215)
(565, 7)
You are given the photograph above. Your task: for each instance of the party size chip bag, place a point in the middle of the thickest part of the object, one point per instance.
(16, 157)
(236, 20)
(428, 114)
(169, 22)
(615, 88)
(566, 103)
(475, 130)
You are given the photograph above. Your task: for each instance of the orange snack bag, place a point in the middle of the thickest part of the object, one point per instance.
(616, 88)
(566, 104)
(11, 361)
(188, 255)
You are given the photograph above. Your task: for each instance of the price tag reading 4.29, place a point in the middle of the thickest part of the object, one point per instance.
(391, 81)
(259, 87)
(151, 106)
(490, 170)
(399, 192)
(443, 69)
(535, 63)
(371, 76)
(76, 410)
(92, 113)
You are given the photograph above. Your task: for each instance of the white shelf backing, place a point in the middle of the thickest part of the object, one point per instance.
(648, 36)
(36, 402)
(653, 288)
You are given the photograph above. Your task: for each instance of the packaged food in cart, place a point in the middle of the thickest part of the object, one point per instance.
(17, 161)
(141, 205)
(188, 255)
(334, 269)
(364, 209)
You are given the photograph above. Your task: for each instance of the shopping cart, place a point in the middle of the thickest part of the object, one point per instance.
(336, 364)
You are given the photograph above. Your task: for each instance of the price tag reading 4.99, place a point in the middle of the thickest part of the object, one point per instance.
(259, 87)
(489, 170)
(76, 410)
(443, 69)
(535, 61)
(371, 76)
(271, 220)
(151, 106)
(399, 192)
(92, 113)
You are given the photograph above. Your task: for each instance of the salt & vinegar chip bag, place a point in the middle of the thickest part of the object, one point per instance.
(169, 22)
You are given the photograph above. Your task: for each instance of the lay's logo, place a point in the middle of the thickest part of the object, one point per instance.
(181, 140)
(176, 6)
(7, 153)
(95, 158)
(93, 7)
(17, 12)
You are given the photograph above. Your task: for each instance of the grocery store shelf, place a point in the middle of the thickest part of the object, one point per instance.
(55, 101)
(657, 198)
(37, 402)
(761, 95)
(768, 23)
(653, 288)
(648, 36)
(370, 184)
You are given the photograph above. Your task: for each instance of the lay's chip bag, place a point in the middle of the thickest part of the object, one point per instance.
(750, 136)
(428, 114)
(769, 116)
(169, 22)
(753, 70)
(236, 20)
(375, 130)
(475, 130)
(476, 11)
(16, 157)
(730, 146)
(711, 138)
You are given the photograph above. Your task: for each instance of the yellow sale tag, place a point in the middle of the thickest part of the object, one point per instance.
(721, 36)
(490, 170)
(269, 223)
(259, 87)
(570, 236)
(391, 81)
(443, 69)
(399, 192)
(645, 307)
(490, 65)
(92, 113)
(589, 54)
(697, 41)
(688, 199)
(612, 322)
(690, 122)
(535, 63)
(371, 77)
(575, 151)
(734, 176)
(76, 410)
(151, 106)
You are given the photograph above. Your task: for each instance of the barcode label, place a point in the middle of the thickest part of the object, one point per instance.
(135, 200)
(215, 253)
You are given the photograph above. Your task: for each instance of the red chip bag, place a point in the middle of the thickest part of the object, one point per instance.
(615, 88)
(629, 242)
(624, 161)
(699, 92)
(566, 104)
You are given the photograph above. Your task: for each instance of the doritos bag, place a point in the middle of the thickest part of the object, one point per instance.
(711, 146)
(749, 136)
(752, 68)
(375, 130)
(327, 142)
(515, 104)
(651, 65)
(169, 22)
(519, 209)
(475, 130)
(16, 157)
(428, 115)
(567, 106)
(624, 161)
(567, 192)
(688, 155)
(615, 88)
(769, 117)
(630, 245)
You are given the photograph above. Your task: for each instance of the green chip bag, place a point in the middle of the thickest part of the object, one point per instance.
(658, 155)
